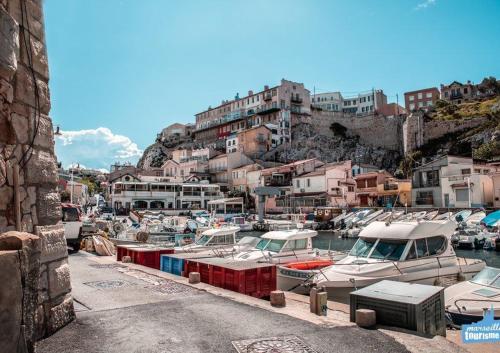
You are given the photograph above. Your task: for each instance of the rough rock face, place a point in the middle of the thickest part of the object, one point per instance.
(306, 143)
(156, 154)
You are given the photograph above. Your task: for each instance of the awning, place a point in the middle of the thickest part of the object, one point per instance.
(229, 201)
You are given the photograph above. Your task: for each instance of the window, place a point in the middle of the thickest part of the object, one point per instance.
(362, 247)
(389, 249)
(308, 182)
(425, 198)
(411, 98)
(412, 253)
(420, 104)
(446, 94)
(465, 171)
(350, 188)
(420, 95)
(275, 245)
(297, 183)
(428, 95)
(429, 103)
(298, 244)
(465, 90)
(422, 248)
(412, 106)
(436, 245)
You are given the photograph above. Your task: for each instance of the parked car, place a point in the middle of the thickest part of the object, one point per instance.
(106, 213)
(72, 221)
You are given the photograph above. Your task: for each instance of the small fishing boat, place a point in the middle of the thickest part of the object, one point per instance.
(221, 239)
(241, 222)
(467, 302)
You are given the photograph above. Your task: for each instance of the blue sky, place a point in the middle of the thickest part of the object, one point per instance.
(133, 67)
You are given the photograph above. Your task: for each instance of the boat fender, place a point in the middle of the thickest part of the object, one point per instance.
(438, 282)
(460, 277)
(142, 236)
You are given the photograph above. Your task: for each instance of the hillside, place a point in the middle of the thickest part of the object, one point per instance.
(156, 154)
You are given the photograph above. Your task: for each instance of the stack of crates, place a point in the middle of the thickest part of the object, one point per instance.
(174, 263)
(250, 278)
(123, 250)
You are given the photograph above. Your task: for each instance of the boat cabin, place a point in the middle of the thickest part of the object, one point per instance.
(402, 241)
(218, 236)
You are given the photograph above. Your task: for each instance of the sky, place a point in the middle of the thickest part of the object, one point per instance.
(122, 70)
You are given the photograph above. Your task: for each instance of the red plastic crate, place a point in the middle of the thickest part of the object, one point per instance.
(250, 278)
(149, 257)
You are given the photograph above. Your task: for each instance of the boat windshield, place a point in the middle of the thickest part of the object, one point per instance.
(261, 245)
(273, 245)
(389, 249)
(488, 277)
(203, 240)
(362, 247)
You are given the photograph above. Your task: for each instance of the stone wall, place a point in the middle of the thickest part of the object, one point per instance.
(28, 198)
(26, 133)
(374, 130)
(55, 304)
(417, 131)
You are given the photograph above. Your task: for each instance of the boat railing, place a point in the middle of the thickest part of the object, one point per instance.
(473, 300)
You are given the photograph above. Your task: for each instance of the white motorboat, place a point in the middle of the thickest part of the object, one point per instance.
(221, 239)
(282, 246)
(409, 251)
(242, 223)
(462, 216)
(466, 302)
(356, 228)
(475, 218)
(444, 216)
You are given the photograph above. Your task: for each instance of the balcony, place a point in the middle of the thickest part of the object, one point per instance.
(267, 96)
(261, 140)
(278, 182)
(218, 169)
(456, 95)
(427, 184)
(267, 110)
(388, 187)
(295, 99)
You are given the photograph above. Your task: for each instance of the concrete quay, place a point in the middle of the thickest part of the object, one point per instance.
(130, 308)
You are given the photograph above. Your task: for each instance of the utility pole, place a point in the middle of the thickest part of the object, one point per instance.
(72, 187)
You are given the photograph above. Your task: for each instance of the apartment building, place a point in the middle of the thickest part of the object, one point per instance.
(365, 102)
(451, 181)
(329, 101)
(256, 141)
(421, 99)
(221, 167)
(361, 168)
(281, 105)
(239, 177)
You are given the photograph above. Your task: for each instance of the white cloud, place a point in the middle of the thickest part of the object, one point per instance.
(425, 4)
(96, 148)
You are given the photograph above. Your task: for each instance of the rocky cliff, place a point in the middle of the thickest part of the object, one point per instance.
(156, 154)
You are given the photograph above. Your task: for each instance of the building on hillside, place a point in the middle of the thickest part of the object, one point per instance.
(232, 143)
(451, 181)
(79, 192)
(176, 130)
(421, 99)
(256, 141)
(364, 103)
(239, 177)
(330, 101)
(362, 168)
(457, 92)
(282, 105)
(381, 189)
(391, 109)
(329, 185)
(221, 167)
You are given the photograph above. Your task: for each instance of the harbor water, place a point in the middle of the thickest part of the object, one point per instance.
(333, 241)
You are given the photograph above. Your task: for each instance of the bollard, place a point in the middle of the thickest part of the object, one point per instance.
(278, 299)
(322, 303)
(194, 277)
(366, 318)
(126, 259)
(313, 299)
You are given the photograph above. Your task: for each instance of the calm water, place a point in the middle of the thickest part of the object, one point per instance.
(328, 240)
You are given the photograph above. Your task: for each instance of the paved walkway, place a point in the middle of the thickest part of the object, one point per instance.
(119, 310)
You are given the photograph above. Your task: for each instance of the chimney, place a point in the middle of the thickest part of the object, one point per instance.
(250, 93)
(266, 87)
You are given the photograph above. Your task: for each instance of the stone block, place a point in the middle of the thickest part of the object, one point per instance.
(53, 243)
(278, 299)
(27, 223)
(10, 300)
(38, 55)
(49, 207)
(194, 277)
(20, 125)
(6, 91)
(366, 318)
(126, 259)
(7, 134)
(44, 134)
(6, 197)
(9, 45)
(59, 278)
(19, 240)
(24, 91)
(41, 168)
(60, 315)
(33, 17)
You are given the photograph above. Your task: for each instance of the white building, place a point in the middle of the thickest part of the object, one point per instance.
(163, 195)
(232, 143)
(330, 101)
(362, 103)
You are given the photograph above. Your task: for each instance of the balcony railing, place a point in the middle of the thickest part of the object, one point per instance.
(218, 169)
(428, 184)
(267, 96)
(295, 99)
(456, 95)
(390, 187)
(278, 183)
